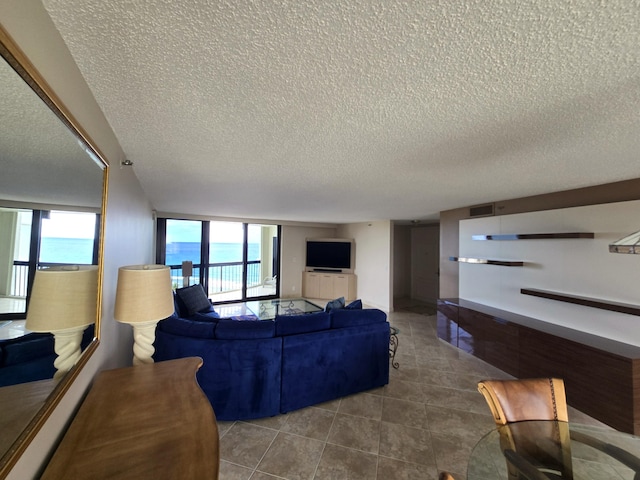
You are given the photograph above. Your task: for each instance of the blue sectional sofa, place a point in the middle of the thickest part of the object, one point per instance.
(259, 368)
(30, 357)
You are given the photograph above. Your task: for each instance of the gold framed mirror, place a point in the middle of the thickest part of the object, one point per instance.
(48, 163)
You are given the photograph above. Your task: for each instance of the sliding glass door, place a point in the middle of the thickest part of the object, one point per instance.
(227, 266)
(234, 261)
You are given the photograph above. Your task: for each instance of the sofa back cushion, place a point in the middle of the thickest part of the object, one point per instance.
(295, 324)
(26, 348)
(227, 329)
(184, 327)
(351, 317)
(206, 315)
(192, 299)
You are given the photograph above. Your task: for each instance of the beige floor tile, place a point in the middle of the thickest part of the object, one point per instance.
(404, 390)
(262, 476)
(362, 405)
(404, 412)
(230, 471)
(310, 422)
(390, 469)
(452, 452)
(358, 433)
(409, 444)
(292, 457)
(245, 444)
(340, 463)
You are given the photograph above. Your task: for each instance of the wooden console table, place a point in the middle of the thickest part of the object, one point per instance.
(144, 422)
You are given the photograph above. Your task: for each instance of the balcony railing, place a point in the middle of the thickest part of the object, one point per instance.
(20, 277)
(222, 277)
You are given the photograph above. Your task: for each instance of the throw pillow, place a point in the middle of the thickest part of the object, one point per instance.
(193, 298)
(355, 305)
(336, 304)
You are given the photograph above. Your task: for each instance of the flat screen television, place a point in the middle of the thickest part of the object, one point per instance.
(329, 254)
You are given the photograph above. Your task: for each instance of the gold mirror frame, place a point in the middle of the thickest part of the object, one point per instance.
(25, 69)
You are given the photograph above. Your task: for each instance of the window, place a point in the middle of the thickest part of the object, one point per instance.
(234, 261)
(33, 239)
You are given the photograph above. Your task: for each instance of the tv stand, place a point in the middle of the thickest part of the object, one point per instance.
(328, 285)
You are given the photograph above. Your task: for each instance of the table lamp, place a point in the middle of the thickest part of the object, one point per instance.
(143, 297)
(64, 302)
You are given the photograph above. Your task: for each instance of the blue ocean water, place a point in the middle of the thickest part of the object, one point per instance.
(177, 252)
(66, 250)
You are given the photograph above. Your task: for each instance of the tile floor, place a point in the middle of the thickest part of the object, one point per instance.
(427, 419)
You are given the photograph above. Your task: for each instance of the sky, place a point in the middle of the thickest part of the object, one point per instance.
(221, 232)
(69, 225)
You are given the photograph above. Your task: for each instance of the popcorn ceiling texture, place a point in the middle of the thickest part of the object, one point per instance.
(346, 111)
(40, 161)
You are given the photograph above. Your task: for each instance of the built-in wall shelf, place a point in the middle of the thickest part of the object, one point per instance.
(533, 236)
(486, 261)
(584, 301)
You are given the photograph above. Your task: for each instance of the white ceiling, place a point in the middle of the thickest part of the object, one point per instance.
(40, 160)
(346, 111)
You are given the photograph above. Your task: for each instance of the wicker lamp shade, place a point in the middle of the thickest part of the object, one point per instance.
(144, 294)
(63, 297)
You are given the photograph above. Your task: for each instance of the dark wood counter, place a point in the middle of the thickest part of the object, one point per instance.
(602, 376)
(144, 422)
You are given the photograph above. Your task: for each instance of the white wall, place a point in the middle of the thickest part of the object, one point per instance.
(293, 254)
(129, 225)
(582, 267)
(374, 248)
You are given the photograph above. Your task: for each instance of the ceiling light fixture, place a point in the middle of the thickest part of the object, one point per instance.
(127, 163)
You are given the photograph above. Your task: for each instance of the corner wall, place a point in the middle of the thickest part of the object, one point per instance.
(374, 259)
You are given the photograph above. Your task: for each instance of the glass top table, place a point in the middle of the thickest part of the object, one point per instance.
(589, 452)
(269, 309)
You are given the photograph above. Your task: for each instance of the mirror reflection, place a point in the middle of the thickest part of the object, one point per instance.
(51, 200)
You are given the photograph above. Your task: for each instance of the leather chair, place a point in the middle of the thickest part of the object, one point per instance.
(527, 446)
(529, 399)
(540, 450)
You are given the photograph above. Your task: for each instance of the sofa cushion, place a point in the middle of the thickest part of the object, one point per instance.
(334, 304)
(26, 348)
(206, 315)
(294, 324)
(187, 328)
(227, 329)
(355, 305)
(350, 317)
(192, 299)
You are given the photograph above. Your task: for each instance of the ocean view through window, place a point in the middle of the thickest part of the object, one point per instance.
(58, 237)
(232, 260)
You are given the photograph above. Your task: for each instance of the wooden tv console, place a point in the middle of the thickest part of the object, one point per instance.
(602, 376)
(329, 285)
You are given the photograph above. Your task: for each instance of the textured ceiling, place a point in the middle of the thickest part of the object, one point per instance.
(40, 160)
(345, 111)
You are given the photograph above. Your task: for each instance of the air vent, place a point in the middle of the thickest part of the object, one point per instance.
(481, 210)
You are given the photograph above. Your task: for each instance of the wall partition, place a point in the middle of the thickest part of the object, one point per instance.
(234, 261)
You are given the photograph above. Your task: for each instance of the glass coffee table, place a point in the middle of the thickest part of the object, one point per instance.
(269, 309)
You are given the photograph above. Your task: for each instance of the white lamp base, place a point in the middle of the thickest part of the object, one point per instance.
(144, 334)
(67, 347)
